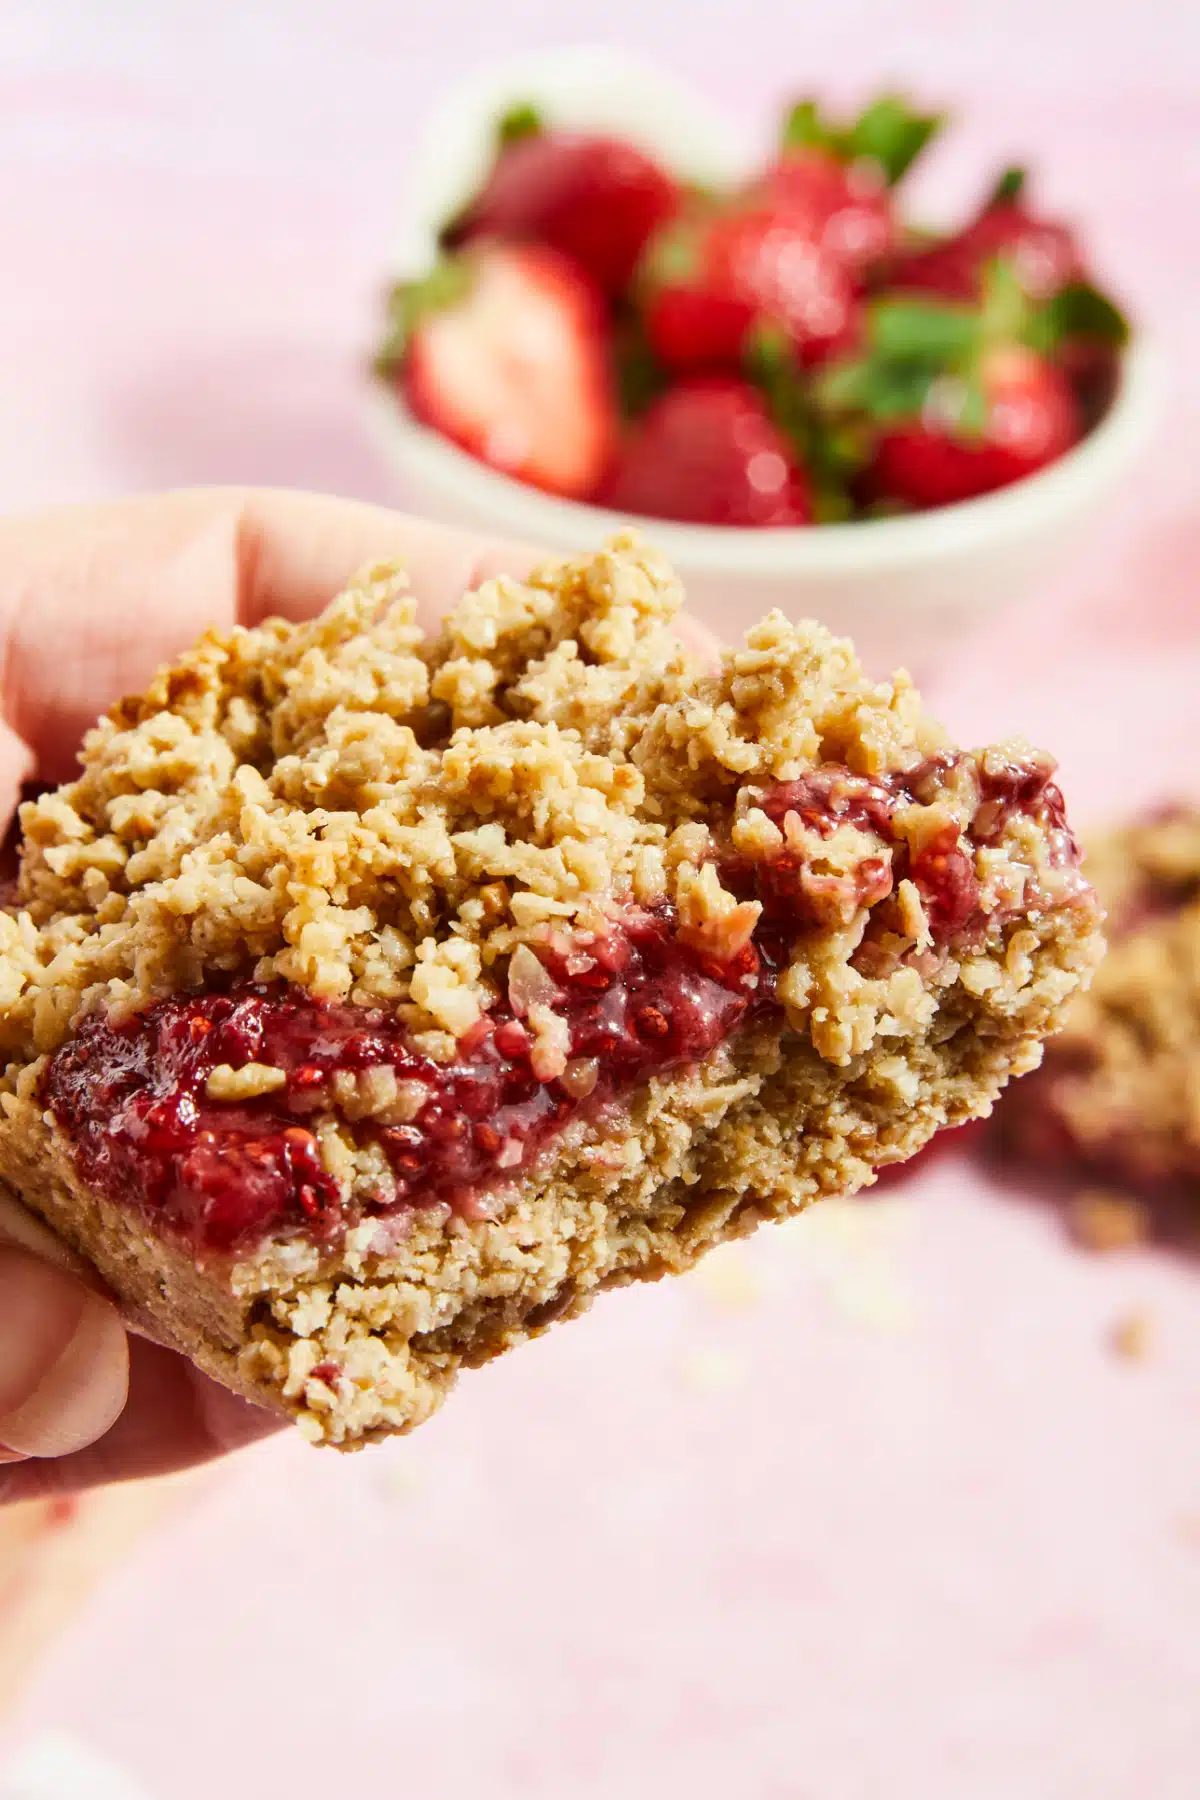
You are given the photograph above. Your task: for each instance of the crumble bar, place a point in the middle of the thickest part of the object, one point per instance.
(1118, 1098)
(369, 1003)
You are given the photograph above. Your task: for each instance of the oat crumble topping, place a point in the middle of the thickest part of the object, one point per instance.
(501, 966)
(1118, 1099)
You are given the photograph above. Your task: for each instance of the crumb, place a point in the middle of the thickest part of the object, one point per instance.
(1188, 1529)
(394, 1478)
(728, 1280)
(848, 1249)
(1106, 1221)
(1131, 1336)
(711, 1370)
(1118, 1094)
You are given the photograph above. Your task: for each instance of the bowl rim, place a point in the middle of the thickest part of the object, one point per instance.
(856, 546)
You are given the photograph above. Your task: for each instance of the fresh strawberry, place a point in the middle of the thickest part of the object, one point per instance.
(952, 399)
(1045, 254)
(719, 271)
(708, 451)
(594, 198)
(849, 203)
(1030, 417)
(843, 175)
(502, 350)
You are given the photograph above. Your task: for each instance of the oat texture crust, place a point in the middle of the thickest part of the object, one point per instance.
(394, 822)
(1118, 1098)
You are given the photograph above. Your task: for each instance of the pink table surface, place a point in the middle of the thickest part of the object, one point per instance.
(905, 1524)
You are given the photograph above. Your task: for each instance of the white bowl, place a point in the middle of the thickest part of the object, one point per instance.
(903, 588)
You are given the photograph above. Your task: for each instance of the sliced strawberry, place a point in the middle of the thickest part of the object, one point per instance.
(1044, 253)
(708, 451)
(503, 350)
(1030, 417)
(712, 276)
(594, 198)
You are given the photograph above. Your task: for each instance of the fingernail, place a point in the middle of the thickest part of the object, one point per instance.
(64, 1360)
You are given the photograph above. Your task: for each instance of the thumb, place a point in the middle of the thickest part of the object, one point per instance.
(64, 1359)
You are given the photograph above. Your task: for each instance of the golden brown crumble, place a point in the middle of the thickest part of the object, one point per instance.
(1132, 1336)
(394, 822)
(1103, 1221)
(384, 820)
(1120, 1090)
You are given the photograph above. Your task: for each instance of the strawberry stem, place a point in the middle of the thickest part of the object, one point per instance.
(409, 302)
(892, 135)
(638, 375)
(1077, 312)
(888, 133)
(1007, 187)
(829, 455)
(804, 128)
(521, 120)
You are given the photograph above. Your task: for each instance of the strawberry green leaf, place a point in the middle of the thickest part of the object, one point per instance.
(900, 391)
(928, 331)
(971, 421)
(768, 354)
(875, 388)
(831, 453)
(888, 132)
(521, 120)
(1078, 310)
(409, 302)
(805, 129)
(390, 353)
(638, 375)
(831, 506)
(956, 407)
(891, 134)
(1007, 187)
(847, 387)
(673, 256)
(1006, 311)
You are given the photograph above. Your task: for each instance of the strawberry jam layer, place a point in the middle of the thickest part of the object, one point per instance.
(134, 1097)
(143, 1102)
(941, 864)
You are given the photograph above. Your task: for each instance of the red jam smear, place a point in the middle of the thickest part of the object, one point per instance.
(225, 1175)
(942, 868)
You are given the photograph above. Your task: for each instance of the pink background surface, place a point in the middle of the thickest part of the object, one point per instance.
(903, 1525)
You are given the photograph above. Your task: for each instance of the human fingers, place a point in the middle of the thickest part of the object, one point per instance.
(93, 599)
(175, 1418)
(63, 1351)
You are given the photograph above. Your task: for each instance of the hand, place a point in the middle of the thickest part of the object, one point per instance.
(91, 601)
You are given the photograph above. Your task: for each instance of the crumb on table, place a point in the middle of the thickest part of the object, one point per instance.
(1132, 1336)
(1105, 1221)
